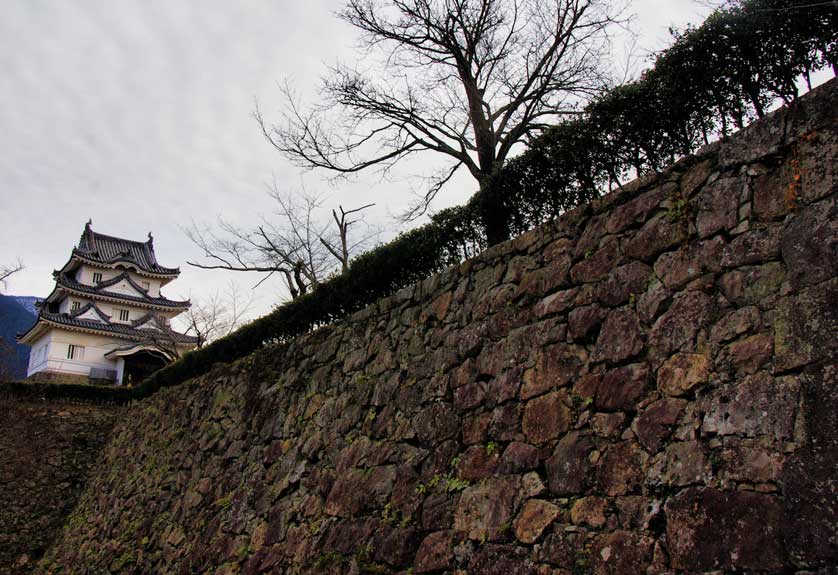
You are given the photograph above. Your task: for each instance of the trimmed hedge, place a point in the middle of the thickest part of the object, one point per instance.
(39, 391)
(715, 76)
(452, 236)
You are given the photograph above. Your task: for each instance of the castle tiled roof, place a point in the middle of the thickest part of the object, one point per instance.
(69, 283)
(99, 248)
(126, 331)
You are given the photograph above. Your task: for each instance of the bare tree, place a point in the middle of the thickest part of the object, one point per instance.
(294, 242)
(343, 252)
(6, 271)
(163, 339)
(467, 79)
(217, 316)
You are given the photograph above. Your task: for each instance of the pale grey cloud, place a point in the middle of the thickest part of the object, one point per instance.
(137, 113)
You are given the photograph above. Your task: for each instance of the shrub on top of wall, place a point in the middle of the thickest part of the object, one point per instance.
(451, 236)
(713, 77)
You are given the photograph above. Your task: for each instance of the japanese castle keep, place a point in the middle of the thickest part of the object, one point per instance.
(106, 320)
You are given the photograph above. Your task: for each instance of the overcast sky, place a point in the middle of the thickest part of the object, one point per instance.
(138, 114)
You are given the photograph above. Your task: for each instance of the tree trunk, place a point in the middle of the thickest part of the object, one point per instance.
(493, 213)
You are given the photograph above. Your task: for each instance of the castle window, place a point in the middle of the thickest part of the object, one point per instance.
(97, 278)
(75, 351)
(145, 285)
(75, 306)
(123, 315)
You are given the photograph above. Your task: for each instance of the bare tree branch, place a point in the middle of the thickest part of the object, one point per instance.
(6, 271)
(467, 79)
(217, 316)
(293, 242)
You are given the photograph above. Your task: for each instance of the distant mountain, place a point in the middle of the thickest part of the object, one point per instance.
(28, 302)
(17, 314)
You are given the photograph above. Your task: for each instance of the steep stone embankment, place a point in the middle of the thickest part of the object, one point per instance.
(47, 449)
(646, 385)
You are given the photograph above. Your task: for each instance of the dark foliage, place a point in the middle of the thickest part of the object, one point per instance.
(713, 78)
(37, 391)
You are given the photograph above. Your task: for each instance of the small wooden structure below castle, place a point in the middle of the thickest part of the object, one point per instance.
(106, 320)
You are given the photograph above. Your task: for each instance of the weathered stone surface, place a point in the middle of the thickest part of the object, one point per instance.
(47, 450)
(620, 337)
(810, 244)
(622, 283)
(736, 323)
(753, 285)
(759, 405)
(810, 513)
(770, 191)
(534, 518)
(621, 469)
(621, 552)
(358, 491)
(749, 464)
(486, 510)
(819, 176)
(501, 560)
(652, 301)
(395, 546)
(584, 321)
(437, 511)
(536, 283)
(590, 237)
(716, 205)
(568, 550)
(477, 462)
(475, 428)
(805, 326)
(677, 328)
(546, 417)
(636, 209)
(598, 264)
(755, 246)
(470, 395)
(590, 511)
(504, 422)
(440, 306)
(737, 530)
(519, 457)
(637, 511)
(695, 177)
(750, 354)
(653, 426)
(555, 303)
(621, 388)
(555, 366)
(656, 236)
(437, 423)
(683, 372)
(676, 269)
(435, 553)
(681, 464)
(569, 468)
(607, 424)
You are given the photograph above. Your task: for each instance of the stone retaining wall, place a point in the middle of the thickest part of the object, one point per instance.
(47, 449)
(647, 385)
